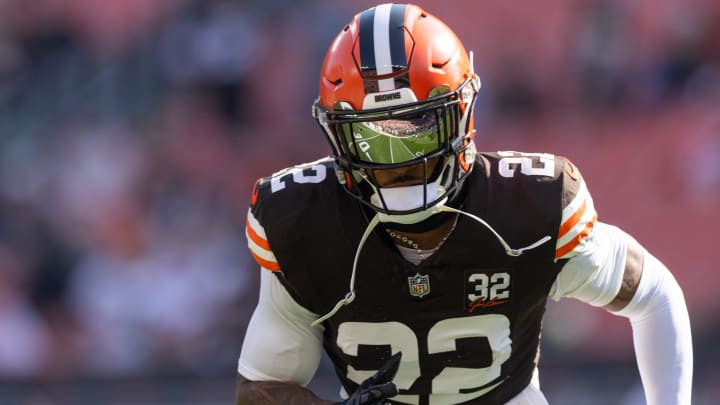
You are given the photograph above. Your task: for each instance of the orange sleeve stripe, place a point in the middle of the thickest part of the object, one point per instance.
(573, 220)
(255, 237)
(272, 266)
(568, 247)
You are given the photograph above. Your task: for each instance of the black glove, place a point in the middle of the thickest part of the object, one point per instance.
(377, 388)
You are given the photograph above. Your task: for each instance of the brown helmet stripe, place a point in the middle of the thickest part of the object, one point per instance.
(382, 43)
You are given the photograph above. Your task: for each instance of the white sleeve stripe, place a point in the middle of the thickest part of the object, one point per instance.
(255, 224)
(576, 203)
(259, 251)
(587, 217)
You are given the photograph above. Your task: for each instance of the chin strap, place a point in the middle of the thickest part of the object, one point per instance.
(508, 250)
(350, 296)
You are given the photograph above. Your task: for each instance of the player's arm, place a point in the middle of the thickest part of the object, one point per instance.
(281, 351)
(650, 297)
(633, 269)
(613, 271)
(282, 346)
(607, 268)
(274, 392)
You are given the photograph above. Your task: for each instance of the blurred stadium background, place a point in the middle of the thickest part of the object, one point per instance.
(131, 133)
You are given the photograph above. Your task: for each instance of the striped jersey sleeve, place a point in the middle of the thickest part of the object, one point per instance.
(258, 243)
(578, 216)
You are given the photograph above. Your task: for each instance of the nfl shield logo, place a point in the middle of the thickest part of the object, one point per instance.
(419, 285)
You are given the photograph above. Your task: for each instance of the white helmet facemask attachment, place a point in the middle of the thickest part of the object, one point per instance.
(399, 132)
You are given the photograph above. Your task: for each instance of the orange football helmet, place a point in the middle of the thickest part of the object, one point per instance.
(397, 89)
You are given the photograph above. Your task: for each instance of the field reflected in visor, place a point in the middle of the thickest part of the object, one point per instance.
(395, 140)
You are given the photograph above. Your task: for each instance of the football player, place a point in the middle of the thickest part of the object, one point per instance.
(421, 267)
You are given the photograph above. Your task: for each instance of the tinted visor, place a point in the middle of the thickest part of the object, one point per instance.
(397, 140)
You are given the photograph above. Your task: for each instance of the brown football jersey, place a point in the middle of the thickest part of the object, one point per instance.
(468, 318)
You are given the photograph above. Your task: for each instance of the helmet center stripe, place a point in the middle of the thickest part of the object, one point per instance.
(382, 43)
(381, 38)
